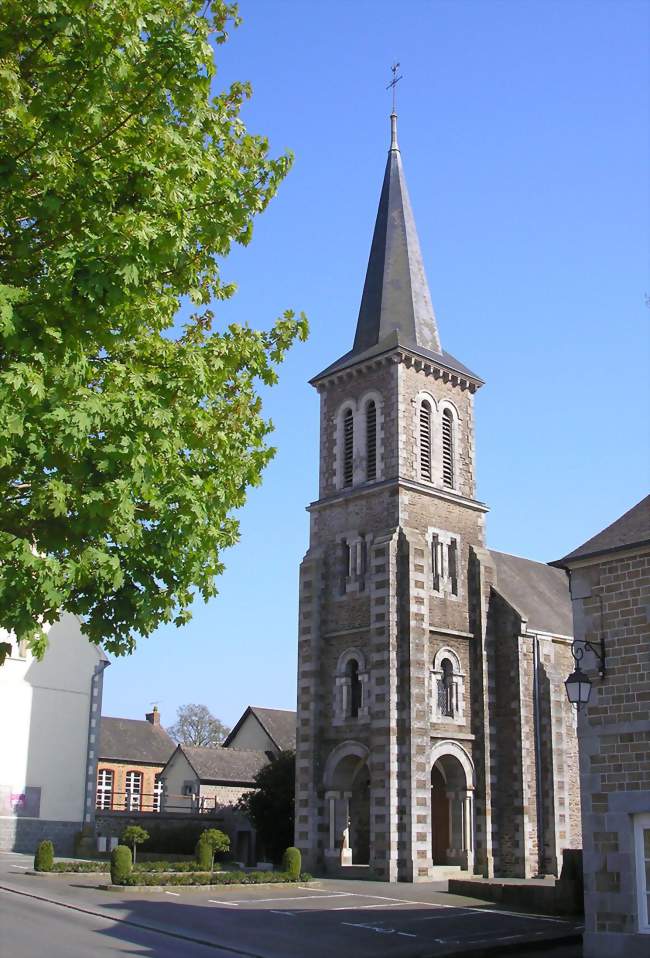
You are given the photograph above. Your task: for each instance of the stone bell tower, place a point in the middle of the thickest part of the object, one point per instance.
(386, 753)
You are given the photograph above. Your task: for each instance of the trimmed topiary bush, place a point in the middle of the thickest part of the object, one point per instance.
(203, 854)
(121, 865)
(212, 840)
(291, 862)
(44, 857)
(133, 835)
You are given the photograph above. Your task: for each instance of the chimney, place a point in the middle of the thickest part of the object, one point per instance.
(153, 717)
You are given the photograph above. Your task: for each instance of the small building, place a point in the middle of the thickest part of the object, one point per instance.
(49, 714)
(131, 754)
(265, 730)
(610, 588)
(210, 781)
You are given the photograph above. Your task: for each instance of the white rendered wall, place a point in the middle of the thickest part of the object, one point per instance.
(44, 712)
(175, 775)
(252, 736)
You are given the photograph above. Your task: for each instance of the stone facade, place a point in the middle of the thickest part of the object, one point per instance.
(433, 732)
(611, 599)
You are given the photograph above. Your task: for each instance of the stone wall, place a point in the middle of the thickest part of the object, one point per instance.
(611, 600)
(24, 834)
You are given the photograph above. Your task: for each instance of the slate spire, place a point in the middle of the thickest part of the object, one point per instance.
(396, 296)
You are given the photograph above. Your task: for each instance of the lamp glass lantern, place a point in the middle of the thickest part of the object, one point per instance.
(578, 688)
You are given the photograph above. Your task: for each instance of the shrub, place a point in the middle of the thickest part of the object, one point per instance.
(134, 835)
(44, 857)
(291, 862)
(80, 867)
(121, 865)
(212, 840)
(203, 855)
(214, 878)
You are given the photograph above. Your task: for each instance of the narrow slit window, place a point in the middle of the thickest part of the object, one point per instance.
(348, 447)
(345, 565)
(447, 448)
(452, 565)
(371, 441)
(435, 562)
(425, 441)
(355, 688)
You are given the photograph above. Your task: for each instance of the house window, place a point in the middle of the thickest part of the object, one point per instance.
(447, 448)
(157, 793)
(104, 797)
(133, 791)
(425, 440)
(446, 689)
(642, 855)
(371, 441)
(348, 447)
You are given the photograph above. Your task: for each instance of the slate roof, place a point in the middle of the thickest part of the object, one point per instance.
(396, 308)
(221, 764)
(631, 529)
(539, 592)
(279, 725)
(133, 740)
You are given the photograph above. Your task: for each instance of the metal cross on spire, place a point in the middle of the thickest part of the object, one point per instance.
(393, 84)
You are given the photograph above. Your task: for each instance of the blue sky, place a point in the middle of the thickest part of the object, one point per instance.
(523, 127)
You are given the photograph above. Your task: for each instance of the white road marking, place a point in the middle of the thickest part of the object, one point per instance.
(520, 914)
(213, 901)
(375, 928)
(257, 901)
(393, 904)
(289, 914)
(175, 894)
(406, 934)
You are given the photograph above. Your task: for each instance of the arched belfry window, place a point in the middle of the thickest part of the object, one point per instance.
(351, 691)
(348, 447)
(371, 441)
(446, 689)
(425, 440)
(448, 477)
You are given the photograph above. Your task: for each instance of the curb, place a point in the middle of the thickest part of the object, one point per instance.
(138, 889)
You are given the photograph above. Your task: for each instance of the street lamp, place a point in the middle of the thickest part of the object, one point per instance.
(578, 685)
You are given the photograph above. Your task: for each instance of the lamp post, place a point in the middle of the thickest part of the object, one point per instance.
(578, 685)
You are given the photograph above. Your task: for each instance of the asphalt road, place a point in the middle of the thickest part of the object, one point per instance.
(326, 919)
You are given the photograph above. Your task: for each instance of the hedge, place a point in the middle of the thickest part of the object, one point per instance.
(44, 857)
(81, 867)
(121, 865)
(212, 878)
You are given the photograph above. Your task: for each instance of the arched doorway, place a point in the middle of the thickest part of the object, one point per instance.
(452, 806)
(347, 782)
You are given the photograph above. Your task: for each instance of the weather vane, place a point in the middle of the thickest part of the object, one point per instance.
(393, 83)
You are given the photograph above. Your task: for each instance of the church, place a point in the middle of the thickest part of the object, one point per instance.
(434, 735)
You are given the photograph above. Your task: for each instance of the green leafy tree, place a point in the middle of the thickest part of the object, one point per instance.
(270, 806)
(127, 442)
(134, 835)
(196, 725)
(211, 841)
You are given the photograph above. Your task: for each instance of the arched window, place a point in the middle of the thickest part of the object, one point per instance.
(348, 447)
(352, 669)
(446, 689)
(371, 441)
(425, 440)
(448, 448)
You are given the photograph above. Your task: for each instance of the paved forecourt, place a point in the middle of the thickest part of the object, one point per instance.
(321, 919)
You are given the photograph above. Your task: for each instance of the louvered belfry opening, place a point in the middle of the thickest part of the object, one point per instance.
(447, 448)
(371, 441)
(348, 447)
(425, 441)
